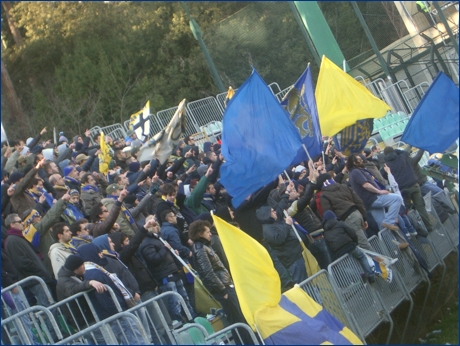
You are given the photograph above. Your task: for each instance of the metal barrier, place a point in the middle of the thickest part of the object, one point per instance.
(395, 292)
(204, 111)
(115, 131)
(121, 329)
(319, 287)
(283, 92)
(26, 323)
(451, 224)
(164, 117)
(157, 325)
(223, 334)
(361, 300)
(27, 282)
(415, 94)
(213, 129)
(190, 334)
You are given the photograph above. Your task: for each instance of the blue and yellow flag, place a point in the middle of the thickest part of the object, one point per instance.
(434, 124)
(230, 94)
(300, 103)
(352, 139)
(291, 318)
(258, 139)
(342, 100)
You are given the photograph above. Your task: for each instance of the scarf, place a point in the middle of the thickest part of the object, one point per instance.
(329, 182)
(86, 239)
(113, 254)
(87, 187)
(34, 193)
(116, 281)
(30, 232)
(18, 233)
(72, 180)
(73, 212)
(71, 248)
(378, 183)
(48, 196)
(127, 213)
(170, 203)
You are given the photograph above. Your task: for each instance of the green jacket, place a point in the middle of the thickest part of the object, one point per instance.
(194, 200)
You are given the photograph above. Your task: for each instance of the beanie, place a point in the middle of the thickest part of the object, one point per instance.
(63, 139)
(134, 166)
(68, 170)
(73, 262)
(15, 177)
(328, 215)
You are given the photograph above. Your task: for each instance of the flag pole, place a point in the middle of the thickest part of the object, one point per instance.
(309, 157)
(293, 227)
(180, 259)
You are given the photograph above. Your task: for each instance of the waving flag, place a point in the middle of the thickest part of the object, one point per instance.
(3, 136)
(352, 139)
(258, 139)
(434, 124)
(230, 94)
(300, 103)
(104, 155)
(293, 318)
(140, 123)
(163, 143)
(342, 100)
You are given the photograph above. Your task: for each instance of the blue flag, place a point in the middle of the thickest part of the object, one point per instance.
(434, 124)
(300, 103)
(352, 139)
(258, 140)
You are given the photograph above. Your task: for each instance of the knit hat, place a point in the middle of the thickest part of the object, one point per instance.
(130, 199)
(299, 168)
(329, 215)
(74, 193)
(134, 166)
(206, 217)
(15, 177)
(202, 170)
(73, 262)
(63, 139)
(68, 170)
(30, 139)
(37, 149)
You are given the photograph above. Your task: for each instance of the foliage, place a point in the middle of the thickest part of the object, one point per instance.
(95, 63)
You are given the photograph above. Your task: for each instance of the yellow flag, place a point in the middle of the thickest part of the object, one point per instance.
(257, 283)
(341, 100)
(104, 156)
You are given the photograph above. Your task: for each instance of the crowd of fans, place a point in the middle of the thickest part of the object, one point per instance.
(74, 227)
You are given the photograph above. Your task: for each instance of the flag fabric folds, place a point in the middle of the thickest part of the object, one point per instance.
(3, 135)
(434, 124)
(140, 123)
(342, 100)
(258, 139)
(352, 139)
(104, 156)
(292, 318)
(162, 144)
(257, 282)
(300, 103)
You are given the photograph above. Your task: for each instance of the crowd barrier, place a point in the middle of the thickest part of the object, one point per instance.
(360, 306)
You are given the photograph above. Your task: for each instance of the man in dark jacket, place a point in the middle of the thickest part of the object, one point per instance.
(348, 207)
(342, 239)
(281, 238)
(401, 168)
(165, 271)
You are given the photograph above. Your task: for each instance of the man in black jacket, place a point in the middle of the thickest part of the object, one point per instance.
(401, 168)
(164, 270)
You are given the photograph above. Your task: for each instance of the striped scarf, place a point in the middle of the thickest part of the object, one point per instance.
(127, 213)
(30, 232)
(116, 281)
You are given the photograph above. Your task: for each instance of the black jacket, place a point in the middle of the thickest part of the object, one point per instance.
(213, 273)
(401, 168)
(339, 237)
(158, 258)
(280, 236)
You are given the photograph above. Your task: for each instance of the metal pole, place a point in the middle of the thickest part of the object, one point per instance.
(199, 37)
(446, 25)
(371, 40)
(305, 34)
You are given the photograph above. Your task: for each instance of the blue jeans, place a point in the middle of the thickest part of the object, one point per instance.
(393, 202)
(298, 271)
(361, 257)
(427, 187)
(175, 307)
(157, 331)
(126, 332)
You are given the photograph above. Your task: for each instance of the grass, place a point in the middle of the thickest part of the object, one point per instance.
(448, 324)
